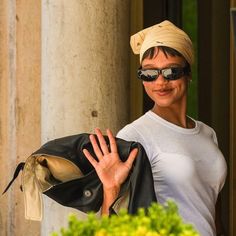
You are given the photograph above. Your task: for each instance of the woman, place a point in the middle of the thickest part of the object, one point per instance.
(186, 163)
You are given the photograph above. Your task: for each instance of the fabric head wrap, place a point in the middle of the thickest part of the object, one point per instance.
(163, 34)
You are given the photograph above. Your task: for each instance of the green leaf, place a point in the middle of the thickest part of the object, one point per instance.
(158, 220)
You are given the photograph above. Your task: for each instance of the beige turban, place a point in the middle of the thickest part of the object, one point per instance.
(163, 34)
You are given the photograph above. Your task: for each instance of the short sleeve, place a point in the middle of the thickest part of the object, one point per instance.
(128, 133)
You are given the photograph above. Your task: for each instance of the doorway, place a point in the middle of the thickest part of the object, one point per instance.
(208, 24)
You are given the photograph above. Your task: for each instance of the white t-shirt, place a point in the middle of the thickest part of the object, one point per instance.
(187, 166)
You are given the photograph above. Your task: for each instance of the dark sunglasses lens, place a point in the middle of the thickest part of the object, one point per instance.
(148, 75)
(172, 73)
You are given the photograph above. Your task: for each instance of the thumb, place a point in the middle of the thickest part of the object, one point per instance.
(131, 157)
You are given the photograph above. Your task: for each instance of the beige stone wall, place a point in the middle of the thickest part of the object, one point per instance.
(85, 74)
(67, 75)
(4, 70)
(85, 65)
(19, 104)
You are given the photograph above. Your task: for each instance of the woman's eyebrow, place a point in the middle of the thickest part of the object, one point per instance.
(149, 66)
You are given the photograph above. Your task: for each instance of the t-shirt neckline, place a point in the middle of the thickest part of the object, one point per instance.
(177, 128)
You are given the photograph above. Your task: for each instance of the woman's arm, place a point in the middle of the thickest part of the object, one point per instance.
(110, 169)
(109, 196)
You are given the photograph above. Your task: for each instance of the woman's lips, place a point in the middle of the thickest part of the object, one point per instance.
(163, 92)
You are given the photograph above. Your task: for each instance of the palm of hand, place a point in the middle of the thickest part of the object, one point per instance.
(110, 169)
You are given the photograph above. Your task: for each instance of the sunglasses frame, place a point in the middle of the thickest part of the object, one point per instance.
(179, 72)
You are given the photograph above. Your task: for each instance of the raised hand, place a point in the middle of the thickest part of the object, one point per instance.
(110, 169)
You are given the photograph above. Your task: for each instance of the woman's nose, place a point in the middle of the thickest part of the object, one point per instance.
(160, 79)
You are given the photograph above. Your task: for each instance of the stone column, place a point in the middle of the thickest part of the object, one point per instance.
(19, 105)
(85, 72)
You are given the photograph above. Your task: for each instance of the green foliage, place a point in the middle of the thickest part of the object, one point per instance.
(158, 221)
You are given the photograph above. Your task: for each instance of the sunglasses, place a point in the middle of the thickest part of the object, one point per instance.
(172, 73)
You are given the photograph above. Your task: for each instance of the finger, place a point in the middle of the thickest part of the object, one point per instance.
(131, 157)
(96, 148)
(102, 141)
(112, 141)
(93, 162)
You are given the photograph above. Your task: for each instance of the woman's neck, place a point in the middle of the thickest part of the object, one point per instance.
(175, 115)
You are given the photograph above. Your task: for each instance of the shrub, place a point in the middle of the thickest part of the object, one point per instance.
(157, 221)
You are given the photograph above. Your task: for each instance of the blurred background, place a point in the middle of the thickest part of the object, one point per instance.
(66, 67)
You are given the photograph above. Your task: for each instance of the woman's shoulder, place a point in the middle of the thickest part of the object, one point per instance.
(134, 130)
(204, 126)
(207, 130)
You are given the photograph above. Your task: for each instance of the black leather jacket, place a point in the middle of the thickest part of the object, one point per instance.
(86, 193)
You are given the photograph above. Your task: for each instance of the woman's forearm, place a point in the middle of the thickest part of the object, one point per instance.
(109, 196)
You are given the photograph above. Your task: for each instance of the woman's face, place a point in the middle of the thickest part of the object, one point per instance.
(163, 92)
